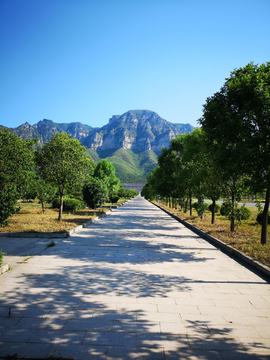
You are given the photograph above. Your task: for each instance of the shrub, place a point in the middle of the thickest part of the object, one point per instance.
(56, 202)
(200, 207)
(217, 208)
(242, 213)
(195, 205)
(95, 193)
(260, 216)
(69, 204)
(73, 204)
(114, 199)
(239, 213)
(225, 209)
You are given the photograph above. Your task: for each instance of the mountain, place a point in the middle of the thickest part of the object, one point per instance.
(139, 130)
(44, 130)
(130, 167)
(131, 141)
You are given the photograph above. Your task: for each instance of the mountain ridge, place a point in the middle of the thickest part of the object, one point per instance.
(136, 129)
(131, 141)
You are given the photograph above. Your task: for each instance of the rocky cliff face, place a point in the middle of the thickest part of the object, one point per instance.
(138, 130)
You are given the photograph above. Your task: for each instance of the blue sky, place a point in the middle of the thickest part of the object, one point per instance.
(86, 60)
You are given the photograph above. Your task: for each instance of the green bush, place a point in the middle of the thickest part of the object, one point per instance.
(69, 204)
(239, 213)
(56, 203)
(217, 207)
(243, 213)
(95, 193)
(259, 218)
(225, 209)
(73, 204)
(114, 199)
(200, 208)
(195, 205)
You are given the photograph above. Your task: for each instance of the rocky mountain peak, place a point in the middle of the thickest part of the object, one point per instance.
(139, 130)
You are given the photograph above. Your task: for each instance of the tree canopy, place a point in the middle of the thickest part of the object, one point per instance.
(236, 122)
(63, 162)
(105, 171)
(16, 159)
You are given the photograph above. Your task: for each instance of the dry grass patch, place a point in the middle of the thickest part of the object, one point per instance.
(246, 238)
(31, 219)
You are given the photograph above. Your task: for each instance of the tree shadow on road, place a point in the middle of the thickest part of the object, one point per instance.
(125, 296)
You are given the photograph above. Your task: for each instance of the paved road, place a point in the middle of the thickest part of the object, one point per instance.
(136, 284)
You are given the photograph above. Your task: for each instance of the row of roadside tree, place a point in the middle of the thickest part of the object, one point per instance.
(228, 156)
(57, 170)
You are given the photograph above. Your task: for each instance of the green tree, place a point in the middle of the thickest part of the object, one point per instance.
(106, 172)
(45, 192)
(16, 159)
(150, 189)
(63, 162)
(95, 193)
(195, 162)
(28, 189)
(236, 121)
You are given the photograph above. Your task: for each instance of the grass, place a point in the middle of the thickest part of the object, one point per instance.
(246, 238)
(31, 219)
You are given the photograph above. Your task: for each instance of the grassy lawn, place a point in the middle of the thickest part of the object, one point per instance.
(31, 219)
(246, 237)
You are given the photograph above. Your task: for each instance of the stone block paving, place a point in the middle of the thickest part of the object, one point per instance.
(134, 285)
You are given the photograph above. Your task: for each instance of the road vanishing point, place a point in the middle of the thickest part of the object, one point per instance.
(135, 284)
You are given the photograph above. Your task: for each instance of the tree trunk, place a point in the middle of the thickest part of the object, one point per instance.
(61, 208)
(185, 205)
(232, 214)
(190, 205)
(43, 206)
(265, 218)
(213, 211)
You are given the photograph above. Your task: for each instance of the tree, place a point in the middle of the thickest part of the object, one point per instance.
(106, 172)
(237, 123)
(150, 189)
(63, 162)
(95, 193)
(16, 159)
(28, 189)
(45, 192)
(195, 163)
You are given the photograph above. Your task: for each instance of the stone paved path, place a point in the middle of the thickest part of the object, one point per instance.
(136, 284)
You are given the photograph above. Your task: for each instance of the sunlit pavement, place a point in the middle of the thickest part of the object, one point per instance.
(136, 284)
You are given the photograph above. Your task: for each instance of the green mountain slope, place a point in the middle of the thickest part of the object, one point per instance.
(129, 166)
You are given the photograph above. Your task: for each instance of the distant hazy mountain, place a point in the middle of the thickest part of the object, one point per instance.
(44, 130)
(130, 141)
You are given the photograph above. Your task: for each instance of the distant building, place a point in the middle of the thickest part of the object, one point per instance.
(133, 186)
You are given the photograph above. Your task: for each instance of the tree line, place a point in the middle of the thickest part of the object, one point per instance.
(59, 171)
(228, 155)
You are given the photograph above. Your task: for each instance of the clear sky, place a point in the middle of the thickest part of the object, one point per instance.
(86, 60)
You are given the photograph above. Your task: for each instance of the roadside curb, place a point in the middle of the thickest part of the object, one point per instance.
(99, 217)
(66, 234)
(59, 235)
(265, 270)
(4, 268)
(33, 235)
